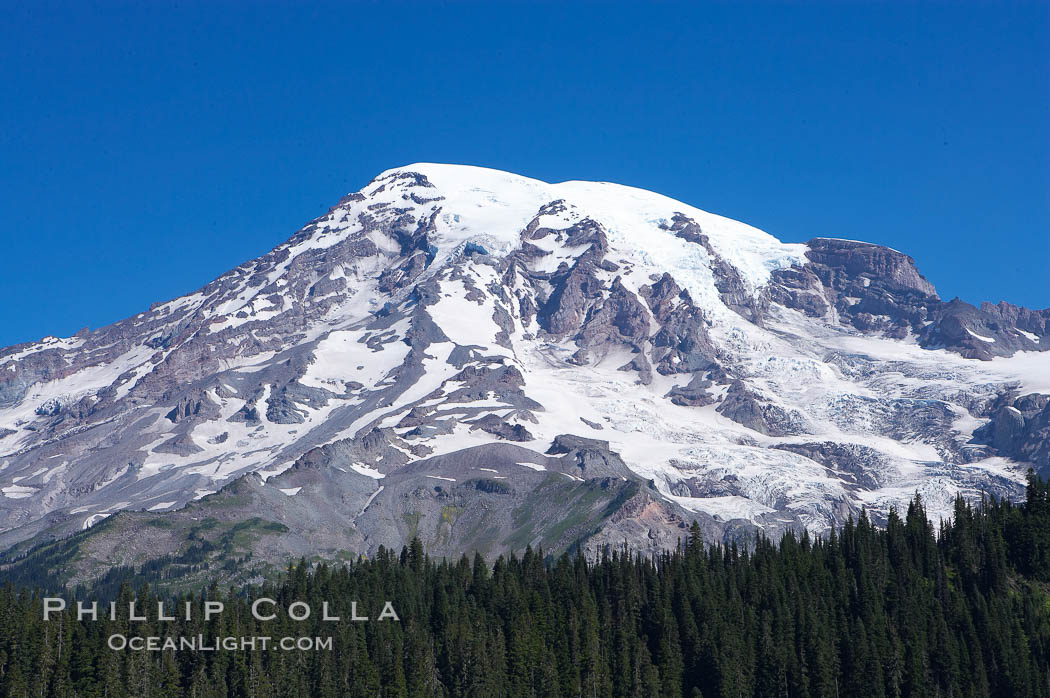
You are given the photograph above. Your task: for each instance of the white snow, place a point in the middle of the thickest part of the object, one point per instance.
(492, 206)
(990, 340)
(488, 205)
(1030, 370)
(463, 321)
(342, 357)
(371, 498)
(290, 491)
(724, 508)
(93, 519)
(367, 471)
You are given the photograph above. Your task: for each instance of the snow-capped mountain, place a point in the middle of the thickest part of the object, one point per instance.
(451, 335)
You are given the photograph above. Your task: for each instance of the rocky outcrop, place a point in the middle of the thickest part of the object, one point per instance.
(871, 287)
(878, 290)
(620, 318)
(1020, 429)
(181, 445)
(288, 403)
(194, 405)
(575, 289)
(844, 264)
(862, 466)
(588, 458)
(682, 344)
(986, 332)
(744, 406)
(695, 394)
(491, 424)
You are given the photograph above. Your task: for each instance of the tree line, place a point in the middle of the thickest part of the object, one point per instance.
(912, 609)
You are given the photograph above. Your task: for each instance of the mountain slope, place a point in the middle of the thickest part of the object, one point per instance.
(448, 323)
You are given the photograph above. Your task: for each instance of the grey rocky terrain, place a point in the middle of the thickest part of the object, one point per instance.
(488, 362)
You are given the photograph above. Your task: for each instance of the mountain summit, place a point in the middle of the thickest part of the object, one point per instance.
(489, 361)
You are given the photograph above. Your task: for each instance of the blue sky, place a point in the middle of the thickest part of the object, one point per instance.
(145, 148)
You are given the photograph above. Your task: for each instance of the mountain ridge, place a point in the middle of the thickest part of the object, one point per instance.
(615, 333)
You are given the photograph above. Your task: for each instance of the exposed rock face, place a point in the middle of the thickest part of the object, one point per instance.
(492, 424)
(180, 445)
(682, 345)
(291, 402)
(619, 319)
(879, 290)
(575, 289)
(746, 407)
(695, 394)
(862, 466)
(193, 406)
(842, 264)
(588, 458)
(1020, 429)
(986, 332)
(491, 362)
(869, 286)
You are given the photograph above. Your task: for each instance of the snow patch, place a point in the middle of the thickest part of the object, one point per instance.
(990, 340)
(363, 469)
(18, 491)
